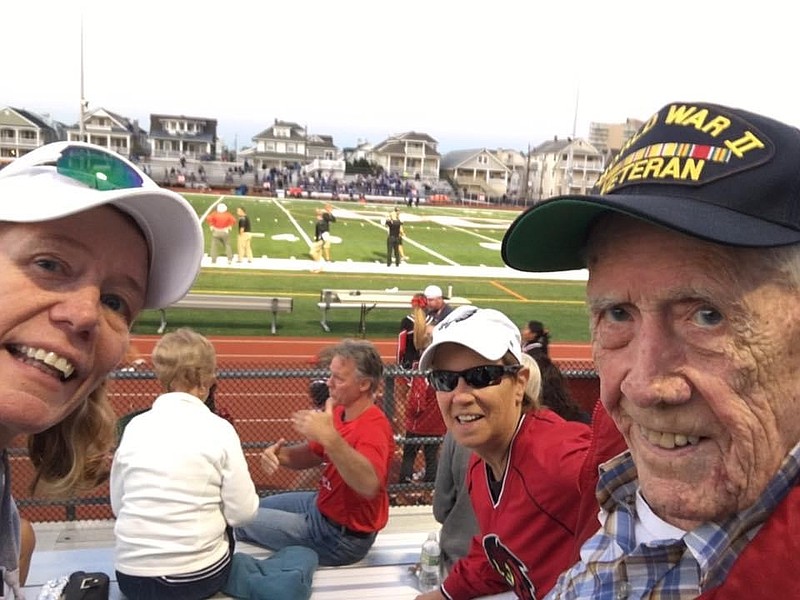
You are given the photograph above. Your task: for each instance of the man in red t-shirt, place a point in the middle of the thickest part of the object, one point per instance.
(353, 438)
(221, 222)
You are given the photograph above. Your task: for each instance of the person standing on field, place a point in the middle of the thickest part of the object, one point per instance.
(245, 236)
(221, 222)
(394, 239)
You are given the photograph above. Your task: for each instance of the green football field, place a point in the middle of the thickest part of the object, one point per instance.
(446, 241)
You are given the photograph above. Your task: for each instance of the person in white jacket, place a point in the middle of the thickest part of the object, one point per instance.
(179, 482)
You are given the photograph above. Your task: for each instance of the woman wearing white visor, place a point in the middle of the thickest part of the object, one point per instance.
(87, 241)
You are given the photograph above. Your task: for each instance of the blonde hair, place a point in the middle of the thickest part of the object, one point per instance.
(533, 389)
(184, 359)
(422, 329)
(74, 455)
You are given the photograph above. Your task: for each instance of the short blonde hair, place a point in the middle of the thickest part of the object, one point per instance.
(533, 389)
(184, 359)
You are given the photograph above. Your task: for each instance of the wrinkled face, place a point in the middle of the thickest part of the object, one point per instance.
(71, 289)
(696, 346)
(345, 384)
(485, 419)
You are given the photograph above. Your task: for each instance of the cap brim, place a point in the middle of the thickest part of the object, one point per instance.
(493, 353)
(551, 236)
(168, 221)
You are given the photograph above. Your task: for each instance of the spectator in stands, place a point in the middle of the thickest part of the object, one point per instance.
(522, 476)
(220, 223)
(244, 241)
(415, 329)
(179, 482)
(88, 241)
(354, 438)
(535, 339)
(423, 418)
(437, 308)
(451, 504)
(555, 391)
(693, 284)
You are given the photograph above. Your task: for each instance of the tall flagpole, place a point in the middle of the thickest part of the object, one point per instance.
(574, 130)
(83, 100)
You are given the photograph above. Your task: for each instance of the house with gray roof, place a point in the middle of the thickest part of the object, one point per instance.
(111, 130)
(22, 131)
(478, 174)
(176, 136)
(410, 155)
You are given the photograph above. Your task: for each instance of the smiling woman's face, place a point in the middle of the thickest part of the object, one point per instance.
(484, 419)
(71, 289)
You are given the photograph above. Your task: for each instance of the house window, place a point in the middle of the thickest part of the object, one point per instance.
(7, 134)
(27, 134)
(483, 159)
(291, 148)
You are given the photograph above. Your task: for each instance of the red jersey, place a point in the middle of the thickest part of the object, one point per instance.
(526, 536)
(423, 416)
(221, 220)
(371, 435)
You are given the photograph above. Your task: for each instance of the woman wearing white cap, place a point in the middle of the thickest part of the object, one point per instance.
(87, 241)
(523, 475)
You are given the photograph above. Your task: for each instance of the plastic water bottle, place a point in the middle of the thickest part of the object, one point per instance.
(430, 567)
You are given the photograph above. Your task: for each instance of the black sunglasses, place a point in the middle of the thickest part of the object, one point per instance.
(476, 377)
(97, 169)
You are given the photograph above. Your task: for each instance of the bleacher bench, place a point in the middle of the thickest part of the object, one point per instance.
(271, 304)
(366, 300)
(385, 572)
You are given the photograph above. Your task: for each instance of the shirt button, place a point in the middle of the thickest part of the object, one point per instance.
(623, 590)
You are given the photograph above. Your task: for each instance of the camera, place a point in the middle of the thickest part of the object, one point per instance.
(319, 393)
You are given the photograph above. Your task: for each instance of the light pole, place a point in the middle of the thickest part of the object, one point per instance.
(83, 100)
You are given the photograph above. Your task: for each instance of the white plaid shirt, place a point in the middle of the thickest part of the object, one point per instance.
(614, 567)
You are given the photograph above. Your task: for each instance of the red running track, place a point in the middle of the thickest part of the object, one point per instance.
(290, 349)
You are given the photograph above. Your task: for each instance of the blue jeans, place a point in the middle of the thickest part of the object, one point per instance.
(292, 519)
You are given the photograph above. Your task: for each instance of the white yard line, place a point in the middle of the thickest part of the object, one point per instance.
(475, 233)
(297, 226)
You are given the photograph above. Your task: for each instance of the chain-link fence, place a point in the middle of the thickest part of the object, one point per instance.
(259, 401)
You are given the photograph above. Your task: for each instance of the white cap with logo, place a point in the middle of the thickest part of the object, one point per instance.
(488, 332)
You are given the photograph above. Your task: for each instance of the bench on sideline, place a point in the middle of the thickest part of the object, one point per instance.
(271, 304)
(366, 300)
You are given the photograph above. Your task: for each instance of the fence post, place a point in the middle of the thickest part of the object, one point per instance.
(388, 394)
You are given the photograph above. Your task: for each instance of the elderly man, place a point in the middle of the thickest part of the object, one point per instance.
(353, 439)
(692, 242)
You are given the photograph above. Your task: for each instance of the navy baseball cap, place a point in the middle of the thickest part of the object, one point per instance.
(716, 173)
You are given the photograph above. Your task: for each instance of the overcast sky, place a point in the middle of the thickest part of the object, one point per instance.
(470, 74)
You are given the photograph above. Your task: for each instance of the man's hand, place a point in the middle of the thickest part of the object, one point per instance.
(269, 457)
(315, 425)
